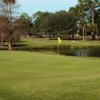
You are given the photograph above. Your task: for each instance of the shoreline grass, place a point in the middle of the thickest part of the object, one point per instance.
(45, 43)
(38, 42)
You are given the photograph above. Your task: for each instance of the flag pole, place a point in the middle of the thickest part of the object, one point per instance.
(59, 42)
(58, 49)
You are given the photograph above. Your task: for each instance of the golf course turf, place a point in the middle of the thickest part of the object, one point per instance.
(37, 76)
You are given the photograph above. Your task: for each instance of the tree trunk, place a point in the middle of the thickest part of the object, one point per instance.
(93, 35)
(9, 46)
(83, 31)
(1, 38)
(92, 17)
(9, 43)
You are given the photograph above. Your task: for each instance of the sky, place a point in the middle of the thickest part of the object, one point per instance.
(32, 6)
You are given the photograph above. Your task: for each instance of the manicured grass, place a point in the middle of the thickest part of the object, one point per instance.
(36, 76)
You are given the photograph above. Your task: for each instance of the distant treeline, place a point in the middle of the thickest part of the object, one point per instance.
(80, 22)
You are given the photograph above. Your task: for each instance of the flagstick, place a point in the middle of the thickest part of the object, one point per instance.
(59, 42)
(58, 49)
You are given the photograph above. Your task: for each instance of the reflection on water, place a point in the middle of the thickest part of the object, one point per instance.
(93, 52)
(85, 52)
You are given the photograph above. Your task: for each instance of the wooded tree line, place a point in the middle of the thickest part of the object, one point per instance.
(82, 20)
(88, 14)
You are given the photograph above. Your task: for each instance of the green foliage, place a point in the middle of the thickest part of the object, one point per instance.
(59, 23)
(87, 15)
(25, 23)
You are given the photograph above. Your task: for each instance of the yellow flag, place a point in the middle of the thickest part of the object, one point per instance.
(59, 40)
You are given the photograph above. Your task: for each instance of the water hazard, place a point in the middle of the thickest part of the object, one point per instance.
(84, 52)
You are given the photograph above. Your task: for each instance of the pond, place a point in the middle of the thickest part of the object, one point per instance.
(84, 52)
(65, 50)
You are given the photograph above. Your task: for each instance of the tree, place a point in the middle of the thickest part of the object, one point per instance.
(7, 9)
(60, 23)
(25, 24)
(39, 18)
(90, 7)
(86, 13)
(80, 15)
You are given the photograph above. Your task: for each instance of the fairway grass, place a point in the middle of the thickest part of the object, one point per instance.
(37, 76)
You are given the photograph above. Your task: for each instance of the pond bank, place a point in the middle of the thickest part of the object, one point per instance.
(73, 48)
